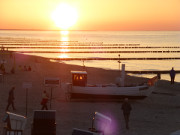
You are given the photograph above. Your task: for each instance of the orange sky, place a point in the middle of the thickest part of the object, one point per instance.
(93, 14)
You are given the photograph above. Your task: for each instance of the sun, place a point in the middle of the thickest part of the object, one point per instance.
(65, 16)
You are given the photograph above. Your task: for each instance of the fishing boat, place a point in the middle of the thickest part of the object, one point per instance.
(79, 88)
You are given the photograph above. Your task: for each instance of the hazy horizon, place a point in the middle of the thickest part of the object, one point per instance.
(81, 30)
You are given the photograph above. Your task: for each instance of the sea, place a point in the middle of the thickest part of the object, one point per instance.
(138, 50)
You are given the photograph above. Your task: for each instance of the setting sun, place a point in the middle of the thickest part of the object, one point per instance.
(65, 16)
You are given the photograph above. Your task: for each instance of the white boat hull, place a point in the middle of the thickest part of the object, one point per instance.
(109, 91)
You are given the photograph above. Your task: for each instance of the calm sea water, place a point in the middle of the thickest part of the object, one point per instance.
(101, 39)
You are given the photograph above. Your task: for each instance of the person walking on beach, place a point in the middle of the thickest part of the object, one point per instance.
(172, 75)
(126, 107)
(44, 101)
(11, 99)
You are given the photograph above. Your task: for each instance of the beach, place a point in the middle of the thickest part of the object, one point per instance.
(156, 115)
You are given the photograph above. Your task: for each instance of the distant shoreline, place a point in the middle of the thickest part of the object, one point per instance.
(44, 30)
(80, 30)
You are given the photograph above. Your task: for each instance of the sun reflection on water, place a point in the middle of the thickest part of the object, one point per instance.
(64, 32)
(63, 55)
(64, 43)
(64, 50)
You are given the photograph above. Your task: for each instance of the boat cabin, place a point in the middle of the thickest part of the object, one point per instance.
(79, 78)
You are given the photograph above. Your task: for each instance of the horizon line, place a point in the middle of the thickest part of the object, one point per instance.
(82, 30)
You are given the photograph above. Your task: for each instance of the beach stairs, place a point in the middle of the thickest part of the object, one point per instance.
(44, 122)
(14, 124)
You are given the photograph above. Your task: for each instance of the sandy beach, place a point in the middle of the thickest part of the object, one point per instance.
(158, 114)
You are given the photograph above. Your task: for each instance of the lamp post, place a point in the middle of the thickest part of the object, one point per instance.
(83, 64)
(26, 100)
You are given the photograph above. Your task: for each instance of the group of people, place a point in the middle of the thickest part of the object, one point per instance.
(44, 101)
(25, 68)
(3, 70)
(126, 106)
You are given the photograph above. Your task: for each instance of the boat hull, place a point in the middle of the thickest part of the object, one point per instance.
(98, 96)
(109, 92)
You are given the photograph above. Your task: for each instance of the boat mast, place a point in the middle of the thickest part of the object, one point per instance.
(119, 64)
(83, 64)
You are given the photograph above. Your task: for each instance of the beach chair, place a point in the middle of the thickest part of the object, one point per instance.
(100, 123)
(14, 124)
(175, 133)
(44, 122)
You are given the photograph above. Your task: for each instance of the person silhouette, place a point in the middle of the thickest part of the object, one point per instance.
(11, 99)
(172, 75)
(126, 107)
(44, 101)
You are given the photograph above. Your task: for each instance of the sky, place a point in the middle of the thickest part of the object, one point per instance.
(91, 14)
